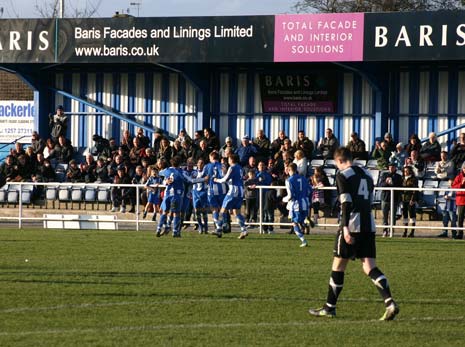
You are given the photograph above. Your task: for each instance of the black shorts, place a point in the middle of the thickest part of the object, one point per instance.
(364, 246)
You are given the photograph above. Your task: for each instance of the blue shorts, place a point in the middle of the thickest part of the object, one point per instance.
(215, 201)
(172, 204)
(154, 198)
(298, 216)
(200, 201)
(230, 202)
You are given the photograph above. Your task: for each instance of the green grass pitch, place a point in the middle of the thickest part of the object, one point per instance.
(127, 288)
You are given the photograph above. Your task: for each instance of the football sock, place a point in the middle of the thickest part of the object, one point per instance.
(216, 218)
(381, 283)
(298, 232)
(162, 221)
(336, 282)
(177, 224)
(198, 218)
(241, 220)
(205, 220)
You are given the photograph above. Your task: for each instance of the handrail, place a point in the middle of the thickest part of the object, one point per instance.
(12, 142)
(112, 112)
(260, 222)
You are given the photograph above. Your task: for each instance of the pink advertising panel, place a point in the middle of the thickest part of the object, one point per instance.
(319, 37)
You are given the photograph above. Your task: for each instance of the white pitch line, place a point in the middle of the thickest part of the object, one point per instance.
(203, 300)
(315, 321)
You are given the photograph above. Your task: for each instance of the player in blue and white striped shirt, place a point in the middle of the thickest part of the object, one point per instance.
(172, 201)
(297, 188)
(235, 196)
(199, 195)
(216, 191)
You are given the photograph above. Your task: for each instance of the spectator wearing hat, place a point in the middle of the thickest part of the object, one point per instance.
(58, 123)
(328, 145)
(357, 147)
(246, 150)
(393, 180)
(390, 143)
(262, 143)
(228, 144)
(101, 148)
(431, 149)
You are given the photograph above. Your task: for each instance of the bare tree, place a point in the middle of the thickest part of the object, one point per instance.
(333, 6)
(49, 8)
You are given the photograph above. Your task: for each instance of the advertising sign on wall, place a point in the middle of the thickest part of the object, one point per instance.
(319, 37)
(418, 36)
(16, 120)
(27, 41)
(181, 39)
(299, 93)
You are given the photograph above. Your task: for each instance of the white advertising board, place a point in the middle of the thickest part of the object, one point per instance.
(16, 119)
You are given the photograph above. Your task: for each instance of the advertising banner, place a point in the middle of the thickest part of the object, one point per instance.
(299, 93)
(168, 40)
(420, 36)
(319, 37)
(16, 120)
(27, 41)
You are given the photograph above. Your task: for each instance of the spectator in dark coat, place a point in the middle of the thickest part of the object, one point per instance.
(357, 147)
(457, 153)
(328, 145)
(213, 144)
(304, 144)
(63, 151)
(277, 144)
(390, 179)
(37, 143)
(431, 150)
(263, 146)
(414, 144)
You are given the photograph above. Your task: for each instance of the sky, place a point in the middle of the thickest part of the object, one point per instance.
(153, 8)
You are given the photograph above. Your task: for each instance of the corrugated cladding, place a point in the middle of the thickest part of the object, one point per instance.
(421, 100)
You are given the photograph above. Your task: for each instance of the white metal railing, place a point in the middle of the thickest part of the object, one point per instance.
(260, 223)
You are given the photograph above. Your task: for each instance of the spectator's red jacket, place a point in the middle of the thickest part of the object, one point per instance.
(459, 182)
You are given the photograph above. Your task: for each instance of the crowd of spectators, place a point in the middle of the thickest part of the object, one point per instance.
(131, 160)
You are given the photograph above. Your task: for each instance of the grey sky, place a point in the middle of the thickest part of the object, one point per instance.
(156, 8)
